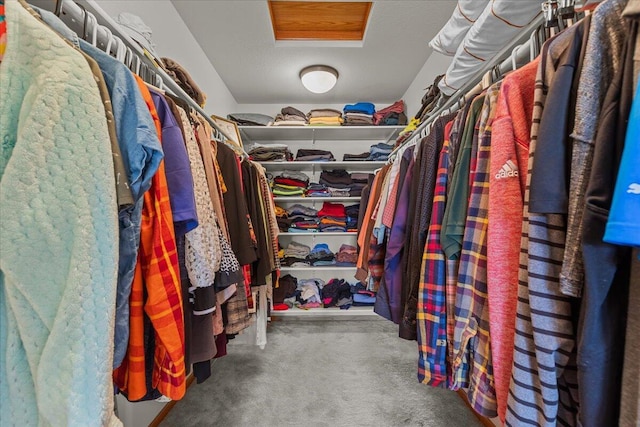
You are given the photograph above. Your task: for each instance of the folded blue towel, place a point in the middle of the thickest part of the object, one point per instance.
(360, 107)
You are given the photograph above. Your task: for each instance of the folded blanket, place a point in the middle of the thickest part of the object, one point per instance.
(329, 121)
(324, 112)
(360, 107)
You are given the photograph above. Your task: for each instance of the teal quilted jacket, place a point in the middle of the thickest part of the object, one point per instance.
(58, 234)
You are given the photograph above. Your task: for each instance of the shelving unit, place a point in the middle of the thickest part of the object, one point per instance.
(338, 140)
(353, 313)
(318, 233)
(323, 267)
(286, 199)
(319, 133)
(302, 166)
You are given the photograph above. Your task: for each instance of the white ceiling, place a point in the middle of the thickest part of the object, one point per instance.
(237, 37)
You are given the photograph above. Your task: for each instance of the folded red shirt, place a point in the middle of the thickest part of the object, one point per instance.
(332, 209)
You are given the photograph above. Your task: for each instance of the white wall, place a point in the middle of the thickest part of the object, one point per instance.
(436, 64)
(180, 45)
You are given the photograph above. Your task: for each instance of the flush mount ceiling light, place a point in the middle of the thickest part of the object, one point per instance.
(319, 78)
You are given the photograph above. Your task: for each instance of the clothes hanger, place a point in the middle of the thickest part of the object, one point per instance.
(551, 22)
(534, 46)
(514, 57)
(58, 8)
(94, 33)
(107, 47)
(121, 49)
(138, 64)
(128, 58)
(85, 20)
(159, 81)
(144, 73)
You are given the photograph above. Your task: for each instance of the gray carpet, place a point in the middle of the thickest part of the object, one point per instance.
(320, 373)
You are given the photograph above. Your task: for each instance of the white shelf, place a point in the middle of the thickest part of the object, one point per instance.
(361, 312)
(351, 165)
(320, 267)
(315, 199)
(319, 233)
(318, 133)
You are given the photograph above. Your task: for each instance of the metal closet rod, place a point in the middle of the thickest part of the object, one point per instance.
(501, 63)
(108, 27)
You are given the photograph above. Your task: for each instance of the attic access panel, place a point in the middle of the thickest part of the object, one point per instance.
(319, 20)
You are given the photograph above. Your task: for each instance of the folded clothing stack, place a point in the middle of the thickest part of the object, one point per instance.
(361, 177)
(290, 116)
(302, 218)
(311, 155)
(362, 157)
(270, 153)
(315, 189)
(333, 217)
(380, 152)
(250, 119)
(337, 178)
(393, 115)
(336, 210)
(284, 190)
(295, 255)
(359, 181)
(293, 178)
(362, 296)
(321, 256)
(337, 293)
(347, 256)
(340, 183)
(290, 183)
(359, 114)
(325, 117)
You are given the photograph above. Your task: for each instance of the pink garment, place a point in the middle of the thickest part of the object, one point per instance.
(390, 207)
(510, 140)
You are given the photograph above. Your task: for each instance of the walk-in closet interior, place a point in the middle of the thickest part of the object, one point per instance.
(320, 213)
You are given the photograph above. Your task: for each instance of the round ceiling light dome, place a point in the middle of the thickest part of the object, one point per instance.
(319, 78)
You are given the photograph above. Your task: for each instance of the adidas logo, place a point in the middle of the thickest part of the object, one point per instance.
(634, 188)
(508, 170)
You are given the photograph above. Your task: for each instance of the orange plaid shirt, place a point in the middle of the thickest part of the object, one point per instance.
(157, 271)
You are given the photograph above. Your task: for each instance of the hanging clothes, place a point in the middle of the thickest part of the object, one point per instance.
(420, 204)
(157, 272)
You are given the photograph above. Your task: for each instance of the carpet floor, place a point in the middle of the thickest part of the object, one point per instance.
(320, 373)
